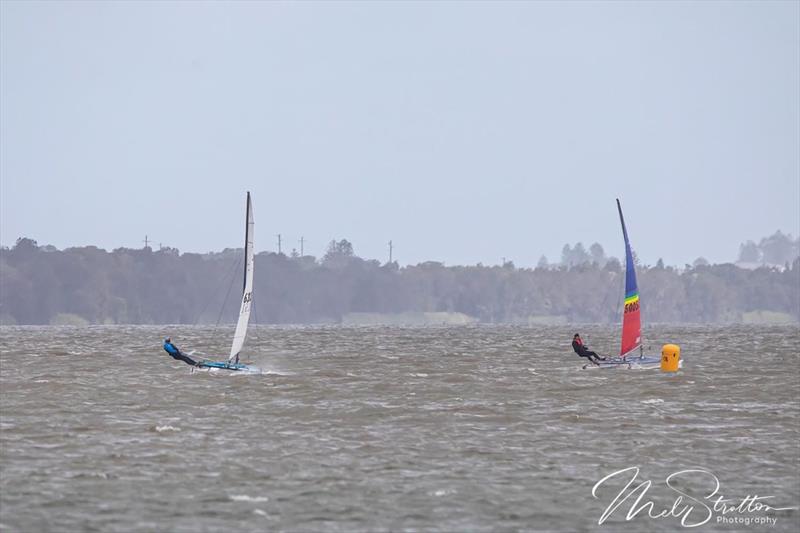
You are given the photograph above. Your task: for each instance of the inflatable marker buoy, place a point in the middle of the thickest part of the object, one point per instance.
(670, 358)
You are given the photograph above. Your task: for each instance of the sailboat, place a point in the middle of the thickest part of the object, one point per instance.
(631, 318)
(232, 363)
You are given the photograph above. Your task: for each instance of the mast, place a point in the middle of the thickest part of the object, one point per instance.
(246, 239)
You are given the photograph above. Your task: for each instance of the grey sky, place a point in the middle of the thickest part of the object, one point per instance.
(464, 132)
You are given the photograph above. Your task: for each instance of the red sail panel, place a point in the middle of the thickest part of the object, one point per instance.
(631, 325)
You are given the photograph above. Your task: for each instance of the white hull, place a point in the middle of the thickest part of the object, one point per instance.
(633, 364)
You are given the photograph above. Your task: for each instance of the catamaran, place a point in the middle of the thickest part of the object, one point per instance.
(232, 363)
(631, 319)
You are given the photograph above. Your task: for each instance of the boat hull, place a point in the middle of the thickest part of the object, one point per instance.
(629, 363)
(225, 365)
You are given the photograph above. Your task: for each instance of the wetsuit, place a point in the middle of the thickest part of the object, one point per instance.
(175, 353)
(583, 351)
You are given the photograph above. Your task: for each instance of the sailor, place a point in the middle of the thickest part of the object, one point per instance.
(582, 350)
(175, 353)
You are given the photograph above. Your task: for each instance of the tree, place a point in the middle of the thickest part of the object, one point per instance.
(135, 286)
(25, 244)
(749, 252)
(778, 248)
(338, 254)
(598, 254)
(342, 248)
(571, 257)
(613, 265)
(566, 255)
(579, 254)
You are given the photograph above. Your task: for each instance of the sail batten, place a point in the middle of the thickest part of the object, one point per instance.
(247, 290)
(631, 314)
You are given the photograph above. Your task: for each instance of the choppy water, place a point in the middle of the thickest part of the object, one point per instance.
(386, 429)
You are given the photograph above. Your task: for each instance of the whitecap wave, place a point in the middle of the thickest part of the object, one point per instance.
(246, 498)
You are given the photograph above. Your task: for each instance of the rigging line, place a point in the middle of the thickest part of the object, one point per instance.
(255, 311)
(233, 278)
(208, 301)
(609, 290)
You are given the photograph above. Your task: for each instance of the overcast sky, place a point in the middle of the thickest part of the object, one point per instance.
(463, 132)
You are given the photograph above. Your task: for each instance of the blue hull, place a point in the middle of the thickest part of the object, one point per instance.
(224, 365)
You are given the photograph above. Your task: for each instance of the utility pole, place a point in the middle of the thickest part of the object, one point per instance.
(301, 246)
(146, 241)
(390, 251)
(279, 244)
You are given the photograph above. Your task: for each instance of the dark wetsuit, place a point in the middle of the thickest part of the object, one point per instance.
(175, 353)
(583, 351)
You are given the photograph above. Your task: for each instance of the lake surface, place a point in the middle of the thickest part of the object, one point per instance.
(476, 428)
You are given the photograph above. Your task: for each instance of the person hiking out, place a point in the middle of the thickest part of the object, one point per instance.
(583, 350)
(175, 353)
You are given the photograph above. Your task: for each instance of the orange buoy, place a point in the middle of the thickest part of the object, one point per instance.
(670, 358)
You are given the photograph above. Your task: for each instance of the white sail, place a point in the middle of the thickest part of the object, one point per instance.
(247, 292)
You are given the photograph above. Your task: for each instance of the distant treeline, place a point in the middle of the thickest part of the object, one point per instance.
(43, 285)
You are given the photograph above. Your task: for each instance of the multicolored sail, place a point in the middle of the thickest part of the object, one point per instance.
(631, 319)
